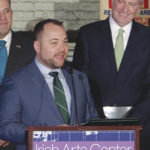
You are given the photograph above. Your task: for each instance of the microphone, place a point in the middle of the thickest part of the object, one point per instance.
(81, 78)
(70, 70)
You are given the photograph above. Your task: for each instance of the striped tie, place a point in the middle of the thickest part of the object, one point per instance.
(60, 97)
(3, 59)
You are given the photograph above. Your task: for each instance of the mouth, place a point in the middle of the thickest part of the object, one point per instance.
(60, 56)
(123, 14)
(3, 22)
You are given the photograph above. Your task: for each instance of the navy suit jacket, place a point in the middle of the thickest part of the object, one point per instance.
(130, 86)
(21, 51)
(25, 100)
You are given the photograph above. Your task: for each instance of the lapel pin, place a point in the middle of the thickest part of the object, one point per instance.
(18, 46)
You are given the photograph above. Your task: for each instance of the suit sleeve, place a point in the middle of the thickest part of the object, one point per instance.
(11, 128)
(141, 109)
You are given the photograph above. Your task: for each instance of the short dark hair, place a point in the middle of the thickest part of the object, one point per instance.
(40, 25)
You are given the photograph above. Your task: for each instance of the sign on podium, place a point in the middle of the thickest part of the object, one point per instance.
(108, 137)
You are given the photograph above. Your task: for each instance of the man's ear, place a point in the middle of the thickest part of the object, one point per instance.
(139, 6)
(36, 45)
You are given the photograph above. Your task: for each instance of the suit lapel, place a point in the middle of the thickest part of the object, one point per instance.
(14, 51)
(47, 96)
(131, 49)
(108, 44)
(44, 95)
(72, 109)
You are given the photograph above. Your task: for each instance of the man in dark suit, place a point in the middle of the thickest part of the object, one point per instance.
(19, 46)
(28, 97)
(127, 84)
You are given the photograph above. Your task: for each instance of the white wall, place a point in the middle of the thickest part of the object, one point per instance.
(74, 13)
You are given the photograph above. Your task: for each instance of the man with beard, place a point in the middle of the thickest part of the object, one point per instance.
(31, 96)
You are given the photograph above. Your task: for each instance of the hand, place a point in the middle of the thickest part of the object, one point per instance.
(4, 143)
(64, 125)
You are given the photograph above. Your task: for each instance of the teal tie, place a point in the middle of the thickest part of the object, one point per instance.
(119, 48)
(60, 97)
(3, 59)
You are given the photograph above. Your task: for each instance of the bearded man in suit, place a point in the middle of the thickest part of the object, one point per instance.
(28, 97)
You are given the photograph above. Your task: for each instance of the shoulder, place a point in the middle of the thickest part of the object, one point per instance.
(92, 29)
(95, 25)
(77, 75)
(77, 72)
(142, 32)
(141, 27)
(23, 36)
(25, 40)
(25, 72)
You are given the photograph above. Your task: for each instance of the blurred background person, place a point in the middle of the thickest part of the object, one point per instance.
(115, 55)
(19, 45)
(16, 49)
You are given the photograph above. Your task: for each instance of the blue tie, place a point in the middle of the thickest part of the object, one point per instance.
(3, 59)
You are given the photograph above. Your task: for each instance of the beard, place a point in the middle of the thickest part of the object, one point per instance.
(52, 63)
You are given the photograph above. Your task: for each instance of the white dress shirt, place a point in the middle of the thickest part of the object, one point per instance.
(49, 80)
(8, 38)
(115, 30)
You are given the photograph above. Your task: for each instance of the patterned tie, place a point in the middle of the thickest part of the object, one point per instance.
(60, 97)
(3, 59)
(119, 48)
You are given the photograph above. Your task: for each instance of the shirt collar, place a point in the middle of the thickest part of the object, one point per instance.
(115, 27)
(8, 38)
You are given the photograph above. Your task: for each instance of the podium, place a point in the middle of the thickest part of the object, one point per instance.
(108, 137)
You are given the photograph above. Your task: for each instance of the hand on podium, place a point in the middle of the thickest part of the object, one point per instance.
(4, 143)
(64, 125)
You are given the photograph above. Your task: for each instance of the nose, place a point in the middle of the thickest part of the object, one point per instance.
(125, 7)
(61, 46)
(2, 15)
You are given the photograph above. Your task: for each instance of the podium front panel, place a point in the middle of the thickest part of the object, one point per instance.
(83, 138)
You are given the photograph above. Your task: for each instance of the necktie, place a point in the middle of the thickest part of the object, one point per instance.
(60, 97)
(119, 48)
(3, 59)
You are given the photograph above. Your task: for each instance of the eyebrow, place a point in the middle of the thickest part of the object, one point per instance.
(66, 38)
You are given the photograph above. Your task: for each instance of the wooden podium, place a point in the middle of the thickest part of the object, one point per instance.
(84, 138)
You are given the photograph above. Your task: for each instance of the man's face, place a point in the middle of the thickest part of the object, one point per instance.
(51, 46)
(123, 11)
(5, 18)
